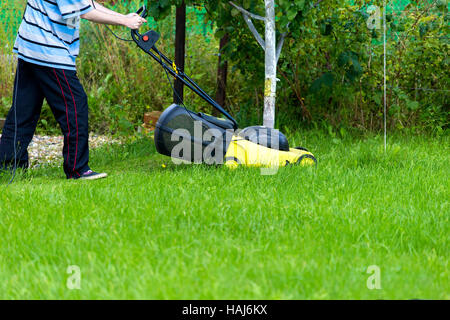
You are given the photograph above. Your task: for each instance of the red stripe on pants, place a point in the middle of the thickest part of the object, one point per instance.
(76, 123)
(67, 117)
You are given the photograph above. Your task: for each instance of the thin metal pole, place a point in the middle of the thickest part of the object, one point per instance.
(385, 102)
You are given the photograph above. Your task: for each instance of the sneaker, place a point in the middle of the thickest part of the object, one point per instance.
(91, 175)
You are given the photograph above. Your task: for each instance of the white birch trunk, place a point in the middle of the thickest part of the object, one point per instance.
(270, 87)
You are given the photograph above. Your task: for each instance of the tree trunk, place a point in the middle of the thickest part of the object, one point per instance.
(270, 87)
(222, 72)
(180, 44)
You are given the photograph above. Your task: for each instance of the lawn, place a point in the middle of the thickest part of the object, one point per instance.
(195, 232)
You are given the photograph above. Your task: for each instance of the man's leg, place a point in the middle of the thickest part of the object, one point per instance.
(27, 99)
(68, 101)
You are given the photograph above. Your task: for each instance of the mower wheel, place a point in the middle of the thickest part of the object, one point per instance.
(307, 160)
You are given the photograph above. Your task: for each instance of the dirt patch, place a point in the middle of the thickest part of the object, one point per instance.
(45, 150)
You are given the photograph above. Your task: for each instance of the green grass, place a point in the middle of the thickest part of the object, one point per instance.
(197, 232)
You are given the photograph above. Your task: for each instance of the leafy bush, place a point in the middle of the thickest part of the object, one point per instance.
(331, 68)
(340, 63)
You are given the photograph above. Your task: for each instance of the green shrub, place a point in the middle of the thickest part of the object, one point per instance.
(331, 69)
(335, 73)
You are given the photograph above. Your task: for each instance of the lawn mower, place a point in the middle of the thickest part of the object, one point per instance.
(196, 137)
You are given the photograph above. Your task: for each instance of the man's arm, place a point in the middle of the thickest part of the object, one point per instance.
(101, 8)
(98, 15)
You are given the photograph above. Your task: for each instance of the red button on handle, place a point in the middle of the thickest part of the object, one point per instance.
(145, 38)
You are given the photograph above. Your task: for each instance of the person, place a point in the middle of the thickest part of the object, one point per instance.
(47, 46)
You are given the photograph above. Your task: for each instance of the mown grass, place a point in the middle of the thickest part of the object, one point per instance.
(197, 232)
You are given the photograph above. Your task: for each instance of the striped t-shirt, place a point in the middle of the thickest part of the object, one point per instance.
(49, 32)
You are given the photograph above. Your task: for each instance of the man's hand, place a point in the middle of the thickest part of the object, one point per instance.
(133, 14)
(134, 21)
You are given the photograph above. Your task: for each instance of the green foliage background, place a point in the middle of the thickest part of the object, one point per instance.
(331, 68)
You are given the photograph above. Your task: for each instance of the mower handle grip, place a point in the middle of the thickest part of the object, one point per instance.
(143, 12)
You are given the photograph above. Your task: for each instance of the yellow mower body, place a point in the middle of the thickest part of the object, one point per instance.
(197, 137)
(246, 153)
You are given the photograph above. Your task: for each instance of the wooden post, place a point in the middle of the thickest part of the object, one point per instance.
(180, 43)
(222, 72)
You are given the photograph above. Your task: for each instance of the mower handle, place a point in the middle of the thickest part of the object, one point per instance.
(147, 43)
(143, 12)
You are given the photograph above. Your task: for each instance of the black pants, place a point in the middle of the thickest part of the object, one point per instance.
(68, 102)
